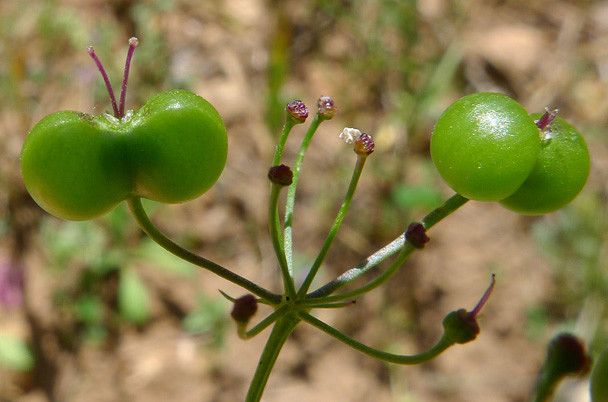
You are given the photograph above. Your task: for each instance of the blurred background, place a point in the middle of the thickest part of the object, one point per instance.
(93, 311)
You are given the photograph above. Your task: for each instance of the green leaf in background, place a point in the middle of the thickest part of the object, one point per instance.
(67, 242)
(15, 354)
(409, 197)
(161, 258)
(133, 298)
(209, 317)
(89, 309)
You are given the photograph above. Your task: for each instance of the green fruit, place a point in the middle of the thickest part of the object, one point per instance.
(485, 145)
(73, 167)
(560, 172)
(78, 166)
(599, 379)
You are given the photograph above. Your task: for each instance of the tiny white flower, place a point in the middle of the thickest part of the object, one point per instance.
(350, 135)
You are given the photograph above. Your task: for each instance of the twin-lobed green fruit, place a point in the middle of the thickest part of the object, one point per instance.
(487, 148)
(78, 166)
(560, 172)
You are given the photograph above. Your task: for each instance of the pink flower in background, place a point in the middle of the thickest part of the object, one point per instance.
(11, 284)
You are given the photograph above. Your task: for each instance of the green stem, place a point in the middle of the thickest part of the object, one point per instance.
(332, 305)
(291, 192)
(443, 343)
(451, 205)
(280, 332)
(436, 215)
(275, 233)
(335, 226)
(406, 251)
(262, 325)
(278, 151)
(545, 387)
(148, 227)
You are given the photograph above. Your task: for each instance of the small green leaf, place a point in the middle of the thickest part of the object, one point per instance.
(15, 354)
(161, 258)
(210, 318)
(133, 298)
(89, 309)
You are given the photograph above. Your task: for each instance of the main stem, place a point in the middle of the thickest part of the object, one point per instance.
(280, 332)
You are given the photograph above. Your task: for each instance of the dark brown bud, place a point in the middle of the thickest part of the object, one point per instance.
(244, 308)
(280, 175)
(327, 108)
(297, 111)
(566, 355)
(461, 325)
(416, 235)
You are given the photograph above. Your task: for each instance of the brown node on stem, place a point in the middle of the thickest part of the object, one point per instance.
(280, 175)
(244, 308)
(416, 235)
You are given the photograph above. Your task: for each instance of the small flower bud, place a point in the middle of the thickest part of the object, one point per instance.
(297, 111)
(280, 175)
(326, 106)
(244, 308)
(566, 355)
(461, 326)
(416, 235)
(364, 145)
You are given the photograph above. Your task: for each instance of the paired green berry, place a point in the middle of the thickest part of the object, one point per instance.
(487, 148)
(559, 174)
(78, 166)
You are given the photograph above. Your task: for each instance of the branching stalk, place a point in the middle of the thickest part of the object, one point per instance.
(155, 234)
(443, 343)
(291, 192)
(451, 205)
(335, 226)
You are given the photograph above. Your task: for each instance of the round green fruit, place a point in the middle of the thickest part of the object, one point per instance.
(559, 174)
(485, 145)
(77, 166)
